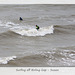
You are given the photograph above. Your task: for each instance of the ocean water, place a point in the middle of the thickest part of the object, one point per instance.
(53, 45)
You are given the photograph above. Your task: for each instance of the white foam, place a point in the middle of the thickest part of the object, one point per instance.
(5, 60)
(7, 24)
(32, 31)
(10, 24)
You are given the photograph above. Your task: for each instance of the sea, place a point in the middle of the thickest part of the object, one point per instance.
(53, 45)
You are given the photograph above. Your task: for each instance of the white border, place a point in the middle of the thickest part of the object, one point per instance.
(37, 1)
(37, 71)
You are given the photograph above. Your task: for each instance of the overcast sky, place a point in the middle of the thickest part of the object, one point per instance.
(37, 1)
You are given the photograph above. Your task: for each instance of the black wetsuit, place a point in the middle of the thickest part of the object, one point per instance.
(20, 19)
(37, 27)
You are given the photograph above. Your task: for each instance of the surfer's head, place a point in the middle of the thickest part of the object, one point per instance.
(20, 19)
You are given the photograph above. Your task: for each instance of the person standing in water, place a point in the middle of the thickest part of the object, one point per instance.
(20, 19)
(37, 27)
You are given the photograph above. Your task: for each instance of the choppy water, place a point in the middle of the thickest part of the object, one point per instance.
(22, 45)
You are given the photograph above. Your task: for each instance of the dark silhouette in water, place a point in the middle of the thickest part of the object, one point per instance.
(37, 27)
(20, 19)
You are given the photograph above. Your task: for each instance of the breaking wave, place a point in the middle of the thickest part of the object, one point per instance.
(32, 31)
(28, 30)
(5, 60)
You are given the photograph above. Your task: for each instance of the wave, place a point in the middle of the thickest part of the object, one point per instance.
(64, 29)
(31, 31)
(27, 31)
(5, 60)
(7, 24)
(56, 57)
(65, 26)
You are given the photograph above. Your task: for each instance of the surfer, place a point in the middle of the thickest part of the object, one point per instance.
(20, 19)
(37, 27)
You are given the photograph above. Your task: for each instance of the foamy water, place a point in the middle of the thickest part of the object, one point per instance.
(32, 31)
(5, 60)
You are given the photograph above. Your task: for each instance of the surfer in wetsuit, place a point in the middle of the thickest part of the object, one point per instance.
(37, 27)
(20, 19)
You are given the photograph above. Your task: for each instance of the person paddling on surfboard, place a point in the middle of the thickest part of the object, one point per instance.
(20, 19)
(37, 27)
